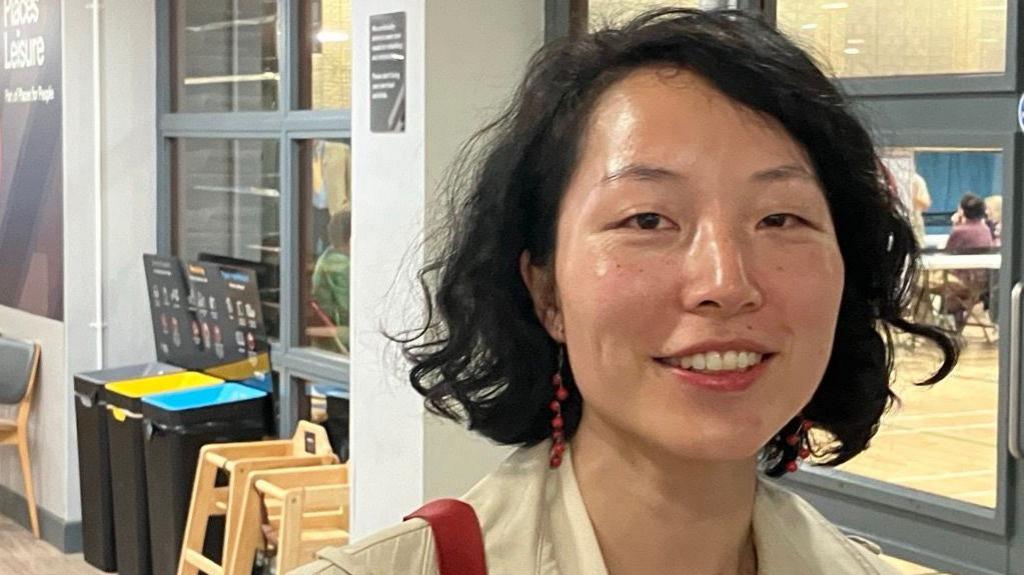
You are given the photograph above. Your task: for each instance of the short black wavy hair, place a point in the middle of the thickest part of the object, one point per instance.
(972, 206)
(483, 356)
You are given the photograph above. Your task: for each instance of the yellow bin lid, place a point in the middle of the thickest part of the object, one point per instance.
(126, 396)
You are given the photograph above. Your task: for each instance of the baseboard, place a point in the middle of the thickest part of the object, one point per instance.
(64, 535)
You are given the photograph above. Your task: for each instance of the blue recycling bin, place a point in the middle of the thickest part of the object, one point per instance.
(177, 425)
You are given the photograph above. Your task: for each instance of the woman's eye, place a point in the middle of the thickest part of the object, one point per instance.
(781, 220)
(647, 221)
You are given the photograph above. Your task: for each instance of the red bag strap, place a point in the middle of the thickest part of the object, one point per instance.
(460, 545)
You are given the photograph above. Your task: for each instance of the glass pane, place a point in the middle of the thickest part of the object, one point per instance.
(326, 228)
(224, 55)
(900, 37)
(226, 206)
(942, 439)
(602, 12)
(326, 54)
(326, 404)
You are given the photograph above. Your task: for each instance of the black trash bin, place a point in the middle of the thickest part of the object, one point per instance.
(178, 424)
(93, 458)
(128, 464)
(337, 424)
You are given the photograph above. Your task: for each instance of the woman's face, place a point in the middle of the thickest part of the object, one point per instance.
(694, 239)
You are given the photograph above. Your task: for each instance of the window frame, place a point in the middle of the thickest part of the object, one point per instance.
(562, 15)
(289, 126)
(936, 84)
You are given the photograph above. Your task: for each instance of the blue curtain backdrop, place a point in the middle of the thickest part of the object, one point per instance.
(951, 174)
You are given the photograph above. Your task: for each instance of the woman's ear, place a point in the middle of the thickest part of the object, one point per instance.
(540, 282)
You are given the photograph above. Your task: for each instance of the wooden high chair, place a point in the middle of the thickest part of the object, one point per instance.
(309, 446)
(308, 509)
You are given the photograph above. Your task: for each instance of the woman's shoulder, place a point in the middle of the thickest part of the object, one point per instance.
(788, 529)
(406, 549)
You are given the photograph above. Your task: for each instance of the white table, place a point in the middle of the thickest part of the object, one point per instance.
(944, 261)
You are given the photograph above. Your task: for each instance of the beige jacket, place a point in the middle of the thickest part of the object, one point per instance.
(534, 523)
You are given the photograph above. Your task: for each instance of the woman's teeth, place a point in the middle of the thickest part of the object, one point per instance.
(716, 361)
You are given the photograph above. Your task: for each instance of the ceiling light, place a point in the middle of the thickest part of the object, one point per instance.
(326, 36)
(835, 5)
(851, 51)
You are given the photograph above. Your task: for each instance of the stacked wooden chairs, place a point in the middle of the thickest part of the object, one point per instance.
(288, 497)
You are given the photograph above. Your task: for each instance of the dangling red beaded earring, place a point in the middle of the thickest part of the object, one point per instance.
(557, 423)
(801, 441)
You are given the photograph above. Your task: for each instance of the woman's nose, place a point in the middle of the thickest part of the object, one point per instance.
(717, 273)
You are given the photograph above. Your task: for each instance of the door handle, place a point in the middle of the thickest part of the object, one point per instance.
(1014, 424)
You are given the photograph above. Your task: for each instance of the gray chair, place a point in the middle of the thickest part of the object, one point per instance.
(19, 367)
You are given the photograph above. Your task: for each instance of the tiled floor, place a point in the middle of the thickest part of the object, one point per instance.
(23, 554)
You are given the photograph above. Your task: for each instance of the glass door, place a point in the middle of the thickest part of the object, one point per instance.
(937, 82)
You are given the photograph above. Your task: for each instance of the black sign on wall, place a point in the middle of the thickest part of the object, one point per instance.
(387, 72)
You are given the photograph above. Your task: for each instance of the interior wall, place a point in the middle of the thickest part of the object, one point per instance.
(48, 424)
(402, 455)
(128, 164)
(129, 176)
(462, 95)
(387, 229)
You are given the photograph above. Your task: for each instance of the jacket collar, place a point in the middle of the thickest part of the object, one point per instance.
(545, 524)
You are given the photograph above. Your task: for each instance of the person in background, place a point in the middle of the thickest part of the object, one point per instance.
(994, 216)
(970, 232)
(331, 273)
(921, 200)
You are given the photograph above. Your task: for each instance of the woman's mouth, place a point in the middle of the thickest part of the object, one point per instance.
(713, 361)
(732, 370)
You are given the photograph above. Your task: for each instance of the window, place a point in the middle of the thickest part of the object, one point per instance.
(327, 231)
(255, 127)
(601, 12)
(228, 209)
(225, 56)
(862, 38)
(326, 52)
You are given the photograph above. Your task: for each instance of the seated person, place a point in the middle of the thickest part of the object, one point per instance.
(331, 273)
(970, 233)
(994, 216)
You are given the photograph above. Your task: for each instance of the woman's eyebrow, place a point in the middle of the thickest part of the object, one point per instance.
(782, 173)
(641, 172)
(647, 172)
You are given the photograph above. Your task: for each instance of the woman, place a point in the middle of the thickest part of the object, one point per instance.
(669, 268)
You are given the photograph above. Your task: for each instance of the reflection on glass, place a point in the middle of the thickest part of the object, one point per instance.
(326, 70)
(327, 404)
(942, 440)
(224, 55)
(326, 228)
(226, 205)
(900, 37)
(602, 12)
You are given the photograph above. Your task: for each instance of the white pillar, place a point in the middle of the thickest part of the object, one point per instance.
(463, 60)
